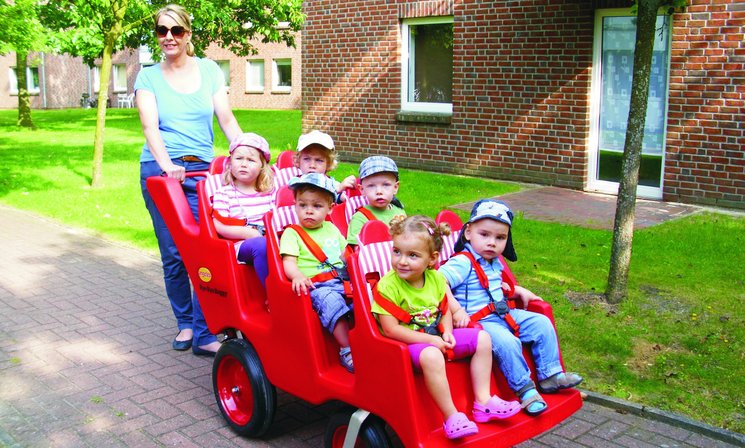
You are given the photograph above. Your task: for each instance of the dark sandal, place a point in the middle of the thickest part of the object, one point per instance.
(534, 404)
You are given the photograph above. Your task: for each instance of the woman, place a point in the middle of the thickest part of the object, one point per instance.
(176, 100)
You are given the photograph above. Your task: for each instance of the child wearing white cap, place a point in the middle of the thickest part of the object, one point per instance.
(239, 206)
(316, 153)
(313, 258)
(475, 278)
(379, 183)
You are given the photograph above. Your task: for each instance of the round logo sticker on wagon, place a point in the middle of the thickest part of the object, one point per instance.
(205, 275)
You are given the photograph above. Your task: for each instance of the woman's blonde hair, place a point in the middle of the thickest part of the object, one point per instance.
(264, 182)
(421, 224)
(331, 161)
(181, 17)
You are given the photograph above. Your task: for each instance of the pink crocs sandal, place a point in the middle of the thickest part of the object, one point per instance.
(495, 409)
(458, 425)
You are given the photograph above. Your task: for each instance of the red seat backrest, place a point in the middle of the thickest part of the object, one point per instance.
(285, 159)
(448, 242)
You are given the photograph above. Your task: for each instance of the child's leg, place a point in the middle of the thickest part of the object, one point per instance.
(481, 364)
(536, 330)
(508, 353)
(329, 303)
(253, 251)
(341, 332)
(432, 362)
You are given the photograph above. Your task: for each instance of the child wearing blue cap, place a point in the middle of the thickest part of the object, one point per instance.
(312, 257)
(474, 274)
(379, 183)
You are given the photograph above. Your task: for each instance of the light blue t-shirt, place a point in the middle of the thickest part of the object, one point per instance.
(184, 120)
(464, 282)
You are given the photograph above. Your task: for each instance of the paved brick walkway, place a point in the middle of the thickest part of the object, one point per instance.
(85, 360)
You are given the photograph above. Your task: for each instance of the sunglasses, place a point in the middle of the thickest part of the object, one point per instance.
(176, 31)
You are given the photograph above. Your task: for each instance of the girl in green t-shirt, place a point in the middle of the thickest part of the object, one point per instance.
(411, 306)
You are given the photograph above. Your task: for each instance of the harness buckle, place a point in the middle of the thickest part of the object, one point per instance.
(500, 308)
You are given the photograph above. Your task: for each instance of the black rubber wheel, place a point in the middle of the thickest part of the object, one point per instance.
(246, 398)
(372, 433)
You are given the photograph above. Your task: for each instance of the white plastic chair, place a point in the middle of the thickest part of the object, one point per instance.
(125, 101)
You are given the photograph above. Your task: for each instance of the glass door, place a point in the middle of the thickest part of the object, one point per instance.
(615, 33)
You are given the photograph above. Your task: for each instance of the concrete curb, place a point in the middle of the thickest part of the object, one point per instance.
(666, 417)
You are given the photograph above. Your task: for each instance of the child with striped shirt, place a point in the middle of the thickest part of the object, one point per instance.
(247, 194)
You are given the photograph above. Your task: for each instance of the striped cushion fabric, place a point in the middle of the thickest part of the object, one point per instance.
(282, 176)
(375, 257)
(352, 204)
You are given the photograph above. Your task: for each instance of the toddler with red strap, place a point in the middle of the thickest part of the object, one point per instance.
(247, 194)
(411, 306)
(379, 183)
(321, 278)
(474, 274)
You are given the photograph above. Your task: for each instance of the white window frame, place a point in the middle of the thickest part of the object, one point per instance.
(223, 64)
(118, 87)
(406, 51)
(593, 183)
(275, 75)
(96, 78)
(253, 85)
(30, 86)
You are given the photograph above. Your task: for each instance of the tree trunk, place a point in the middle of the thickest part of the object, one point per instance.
(24, 104)
(111, 36)
(623, 227)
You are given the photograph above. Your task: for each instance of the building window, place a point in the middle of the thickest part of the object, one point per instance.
(255, 75)
(96, 78)
(427, 64)
(32, 80)
(120, 78)
(282, 75)
(613, 68)
(225, 67)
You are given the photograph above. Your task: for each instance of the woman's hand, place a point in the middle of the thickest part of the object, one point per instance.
(175, 171)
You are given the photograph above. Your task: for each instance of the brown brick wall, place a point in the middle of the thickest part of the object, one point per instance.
(706, 118)
(521, 91)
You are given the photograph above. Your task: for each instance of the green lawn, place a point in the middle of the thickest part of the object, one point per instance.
(677, 343)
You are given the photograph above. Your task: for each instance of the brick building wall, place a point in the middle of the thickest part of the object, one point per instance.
(64, 79)
(706, 117)
(522, 73)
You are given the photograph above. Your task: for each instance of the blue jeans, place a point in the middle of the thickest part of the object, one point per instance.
(535, 330)
(329, 302)
(183, 302)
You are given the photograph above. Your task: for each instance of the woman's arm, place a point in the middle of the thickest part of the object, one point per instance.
(148, 109)
(224, 114)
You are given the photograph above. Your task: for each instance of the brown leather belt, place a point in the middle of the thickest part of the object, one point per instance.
(190, 159)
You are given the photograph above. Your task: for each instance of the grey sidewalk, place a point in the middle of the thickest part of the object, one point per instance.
(85, 360)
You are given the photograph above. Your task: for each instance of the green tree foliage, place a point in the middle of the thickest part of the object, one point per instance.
(96, 29)
(623, 228)
(22, 33)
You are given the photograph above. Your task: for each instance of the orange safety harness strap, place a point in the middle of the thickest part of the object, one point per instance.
(367, 213)
(228, 221)
(501, 309)
(399, 313)
(321, 256)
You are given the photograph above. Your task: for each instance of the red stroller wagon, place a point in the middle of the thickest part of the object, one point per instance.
(273, 339)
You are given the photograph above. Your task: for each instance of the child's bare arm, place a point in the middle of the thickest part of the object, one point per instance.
(300, 283)
(459, 316)
(525, 295)
(392, 329)
(348, 182)
(235, 232)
